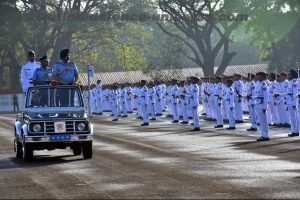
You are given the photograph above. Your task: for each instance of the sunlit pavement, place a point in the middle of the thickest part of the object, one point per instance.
(163, 160)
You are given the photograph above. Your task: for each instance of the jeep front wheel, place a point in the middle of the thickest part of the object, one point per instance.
(27, 153)
(87, 150)
(76, 151)
(18, 148)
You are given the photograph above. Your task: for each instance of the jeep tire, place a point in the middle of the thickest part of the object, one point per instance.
(27, 153)
(19, 150)
(76, 151)
(87, 150)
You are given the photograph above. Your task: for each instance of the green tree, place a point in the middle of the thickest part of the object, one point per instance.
(274, 27)
(198, 20)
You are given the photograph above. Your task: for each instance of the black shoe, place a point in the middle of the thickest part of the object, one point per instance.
(287, 125)
(153, 119)
(139, 118)
(114, 120)
(225, 120)
(175, 121)
(239, 121)
(196, 129)
(145, 124)
(190, 117)
(192, 123)
(124, 115)
(184, 122)
(261, 139)
(293, 134)
(169, 116)
(252, 129)
(230, 128)
(203, 114)
(219, 126)
(158, 114)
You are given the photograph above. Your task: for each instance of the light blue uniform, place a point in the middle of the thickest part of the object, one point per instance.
(42, 74)
(66, 71)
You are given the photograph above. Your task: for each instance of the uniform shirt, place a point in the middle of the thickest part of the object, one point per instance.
(151, 95)
(250, 92)
(229, 98)
(194, 95)
(43, 75)
(175, 94)
(238, 87)
(292, 92)
(65, 71)
(272, 90)
(123, 95)
(159, 93)
(261, 94)
(27, 72)
(99, 91)
(282, 91)
(143, 93)
(129, 93)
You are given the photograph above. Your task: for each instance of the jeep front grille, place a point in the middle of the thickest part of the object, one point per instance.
(70, 127)
(48, 127)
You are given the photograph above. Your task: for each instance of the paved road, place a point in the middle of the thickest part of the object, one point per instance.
(160, 161)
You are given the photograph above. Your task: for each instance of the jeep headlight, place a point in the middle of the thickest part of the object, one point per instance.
(81, 126)
(36, 128)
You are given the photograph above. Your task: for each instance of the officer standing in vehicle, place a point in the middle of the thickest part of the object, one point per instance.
(65, 72)
(28, 70)
(42, 75)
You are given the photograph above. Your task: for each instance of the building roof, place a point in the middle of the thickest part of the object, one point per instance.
(180, 74)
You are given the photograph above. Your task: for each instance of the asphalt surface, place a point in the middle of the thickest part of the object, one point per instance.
(162, 161)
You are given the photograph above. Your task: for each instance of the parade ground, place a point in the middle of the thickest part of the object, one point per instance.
(161, 161)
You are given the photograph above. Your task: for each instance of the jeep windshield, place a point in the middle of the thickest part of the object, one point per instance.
(61, 96)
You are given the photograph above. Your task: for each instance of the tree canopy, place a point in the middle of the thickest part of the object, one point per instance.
(149, 35)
